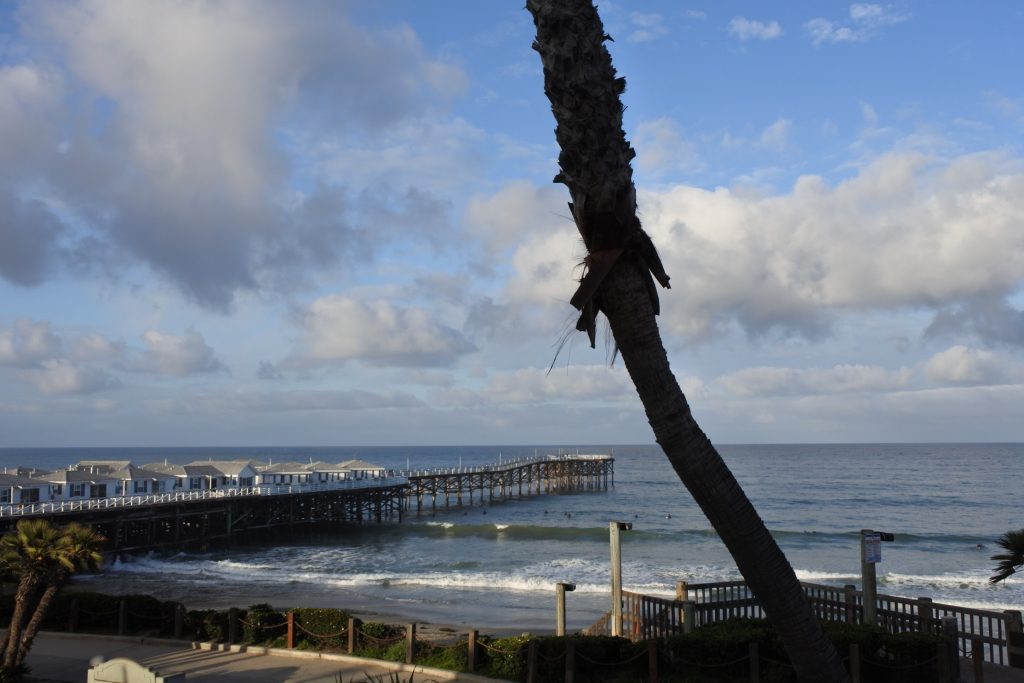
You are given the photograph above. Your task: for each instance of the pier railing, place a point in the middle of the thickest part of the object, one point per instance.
(997, 636)
(92, 504)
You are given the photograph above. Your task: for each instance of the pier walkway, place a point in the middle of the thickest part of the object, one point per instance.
(207, 517)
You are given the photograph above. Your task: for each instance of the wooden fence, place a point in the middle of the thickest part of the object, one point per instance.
(999, 635)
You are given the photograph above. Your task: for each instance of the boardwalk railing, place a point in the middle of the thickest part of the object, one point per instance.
(999, 635)
(90, 504)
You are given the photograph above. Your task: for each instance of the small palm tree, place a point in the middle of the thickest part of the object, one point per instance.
(1013, 559)
(42, 558)
(27, 553)
(78, 550)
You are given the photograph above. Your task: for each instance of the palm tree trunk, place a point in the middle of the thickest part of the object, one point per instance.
(28, 588)
(581, 84)
(32, 628)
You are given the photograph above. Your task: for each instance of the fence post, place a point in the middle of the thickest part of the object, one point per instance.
(755, 662)
(73, 616)
(570, 660)
(410, 643)
(1014, 638)
(925, 614)
(854, 663)
(949, 656)
(179, 621)
(290, 644)
(978, 660)
(122, 617)
(682, 590)
(352, 634)
(850, 596)
(531, 662)
(652, 661)
(689, 616)
(232, 625)
(471, 655)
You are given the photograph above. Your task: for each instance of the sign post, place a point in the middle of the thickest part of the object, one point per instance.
(870, 555)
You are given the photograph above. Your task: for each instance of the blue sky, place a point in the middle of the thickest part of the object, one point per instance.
(234, 223)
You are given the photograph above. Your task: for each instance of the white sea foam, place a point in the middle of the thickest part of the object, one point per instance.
(501, 527)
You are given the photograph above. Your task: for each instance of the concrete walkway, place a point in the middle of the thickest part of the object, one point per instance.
(65, 658)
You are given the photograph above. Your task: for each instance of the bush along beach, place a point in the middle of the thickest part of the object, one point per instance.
(726, 651)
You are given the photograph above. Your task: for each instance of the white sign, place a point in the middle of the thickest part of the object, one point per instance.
(872, 548)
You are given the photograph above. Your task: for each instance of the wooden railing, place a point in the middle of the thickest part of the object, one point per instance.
(999, 635)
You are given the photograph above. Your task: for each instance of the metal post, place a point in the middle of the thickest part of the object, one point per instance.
(560, 590)
(613, 532)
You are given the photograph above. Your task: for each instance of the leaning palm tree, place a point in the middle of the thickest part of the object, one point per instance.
(28, 553)
(79, 549)
(1013, 559)
(621, 267)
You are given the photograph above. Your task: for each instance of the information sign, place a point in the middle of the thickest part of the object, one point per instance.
(872, 548)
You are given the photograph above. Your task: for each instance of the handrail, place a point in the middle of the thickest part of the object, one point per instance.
(651, 616)
(64, 506)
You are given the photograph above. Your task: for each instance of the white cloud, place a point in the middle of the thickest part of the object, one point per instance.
(776, 135)
(752, 29)
(61, 376)
(247, 401)
(28, 343)
(661, 148)
(961, 365)
(903, 232)
(179, 158)
(537, 386)
(647, 27)
(866, 20)
(339, 328)
(175, 355)
(840, 379)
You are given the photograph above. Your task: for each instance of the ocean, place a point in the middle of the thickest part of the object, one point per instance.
(494, 567)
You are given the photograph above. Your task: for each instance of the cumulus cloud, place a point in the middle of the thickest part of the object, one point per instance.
(61, 376)
(647, 27)
(776, 135)
(175, 355)
(339, 328)
(661, 148)
(865, 21)
(28, 343)
(532, 386)
(904, 231)
(961, 365)
(840, 379)
(752, 29)
(285, 401)
(180, 160)
(516, 212)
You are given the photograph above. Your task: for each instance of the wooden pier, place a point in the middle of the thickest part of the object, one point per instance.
(516, 478)
(209, 518)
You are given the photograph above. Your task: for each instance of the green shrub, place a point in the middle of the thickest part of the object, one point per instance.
(263, 624)
(321, 627)
(381, 641)
(503, 657)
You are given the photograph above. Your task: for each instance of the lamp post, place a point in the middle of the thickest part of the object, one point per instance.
(561, 589)
(613, 530)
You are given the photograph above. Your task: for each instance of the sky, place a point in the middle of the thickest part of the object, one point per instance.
(334, 223)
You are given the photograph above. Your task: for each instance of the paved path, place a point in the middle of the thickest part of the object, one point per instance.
(62, 658)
